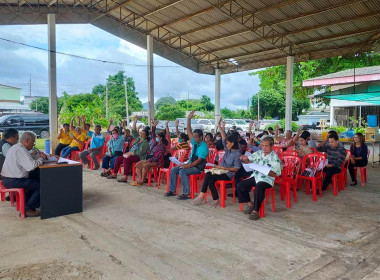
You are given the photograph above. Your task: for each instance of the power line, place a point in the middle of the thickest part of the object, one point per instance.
(87, 58)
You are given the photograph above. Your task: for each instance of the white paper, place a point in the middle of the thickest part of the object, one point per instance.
(50, 159)
(321, 166)
(247, 154)
(175, 161)
(253, 166)
(67, 161)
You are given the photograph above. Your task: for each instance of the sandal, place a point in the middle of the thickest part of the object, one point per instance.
(111, 177)
(122, 180)
(134, 183)
(197, 201)
(105, 173)
(214, 203)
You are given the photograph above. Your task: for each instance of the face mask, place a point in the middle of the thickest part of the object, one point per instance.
(218, 138)
(114, 136)
(157, 140)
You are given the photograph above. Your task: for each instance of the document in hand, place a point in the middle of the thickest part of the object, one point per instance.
(67, 161)
(51, 159)
(175, 161)
(321, 165)
(247, 154)
(253, 166)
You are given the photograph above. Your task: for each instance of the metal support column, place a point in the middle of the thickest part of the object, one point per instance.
(53, 114)
(149, 50)
(217, 96)
(289, 92)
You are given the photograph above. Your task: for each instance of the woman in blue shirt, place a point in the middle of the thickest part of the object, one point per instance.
(359, 156)
(115, 149)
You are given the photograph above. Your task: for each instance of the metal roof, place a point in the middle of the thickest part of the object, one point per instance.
(234, 35)
(350, 72)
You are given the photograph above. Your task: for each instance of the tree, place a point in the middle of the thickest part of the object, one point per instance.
(170, 112)
(272, 103)
(41, 104)
(206, 103)
(164, 100)
(227, 113)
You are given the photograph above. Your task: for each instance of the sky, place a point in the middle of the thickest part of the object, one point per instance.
(19, 63)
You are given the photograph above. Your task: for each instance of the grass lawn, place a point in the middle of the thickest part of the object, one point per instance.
(40, 144)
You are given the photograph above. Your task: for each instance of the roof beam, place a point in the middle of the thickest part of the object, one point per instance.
(111, 10)
(264, 24)
(375, 13)
(315, 43)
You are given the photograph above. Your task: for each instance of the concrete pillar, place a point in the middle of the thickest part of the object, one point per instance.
(149, 49)
(332, 120)
(217, 96)
(53, 114)
(289, 92)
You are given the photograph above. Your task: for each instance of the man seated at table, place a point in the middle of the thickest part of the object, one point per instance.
(96, 145)
(261, 182)
(336, 155)
(15, 174)
(196, 164)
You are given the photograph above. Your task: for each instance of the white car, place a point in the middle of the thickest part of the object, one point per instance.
(264, 123)
(238, 124)
(162, 126)
(138, 123)
(208, 125)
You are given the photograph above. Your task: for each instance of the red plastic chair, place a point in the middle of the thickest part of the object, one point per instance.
(99, 156)
(289, 153)
(313, 160)
(338, 179)
(74, 155)
(220, 156)
(221, 185)
(268, 192)
(20, 198)
(212, 152)
(154, 172)
(278, 150)
(288, 178)
(182, 156)
(363, 173)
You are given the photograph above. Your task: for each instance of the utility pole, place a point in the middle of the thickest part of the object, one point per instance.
(30, 85)
(258, 107)
(126, 100)
(107, 100)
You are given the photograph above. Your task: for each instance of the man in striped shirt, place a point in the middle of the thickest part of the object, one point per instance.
(336, 155)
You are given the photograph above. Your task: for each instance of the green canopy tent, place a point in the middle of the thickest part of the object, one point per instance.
(368, 92)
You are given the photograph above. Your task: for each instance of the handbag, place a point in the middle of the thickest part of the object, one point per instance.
(216, 171)
(202, 165)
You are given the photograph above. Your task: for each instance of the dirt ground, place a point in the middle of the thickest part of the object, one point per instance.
(127, 232)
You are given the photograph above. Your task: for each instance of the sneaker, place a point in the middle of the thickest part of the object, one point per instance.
(183, 197)
(254, 216)
(169, 193)
(353, 183)
(248, 209)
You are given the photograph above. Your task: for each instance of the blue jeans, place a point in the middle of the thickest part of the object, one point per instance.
(67, 151)
(109, 162)
(184, 174)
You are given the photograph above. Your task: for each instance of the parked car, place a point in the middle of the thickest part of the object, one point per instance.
(264, 123)
(194, 123)
(240, 125)
(208, 125)
(37, 123)
(161, 126)
(138, 123)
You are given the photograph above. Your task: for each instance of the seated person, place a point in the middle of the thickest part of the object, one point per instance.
(264, 133)
(285, 142)
(97, 141)
(196, 164)
(326, 142)
(10, 138)
(64, 138)
(209, 140)
(154, 158)
(183, 139)
(359, 156)
(261, 182)
(86, 127)
(303, 149)
(78, 140)
(15, 173)
(335, 155)
(242, 143)
(253, 145)
(270, 131)
(115, 147)
(218, 141)
(230, 164)
(137, 152)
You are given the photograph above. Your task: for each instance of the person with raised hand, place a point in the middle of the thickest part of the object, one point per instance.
(195, 165)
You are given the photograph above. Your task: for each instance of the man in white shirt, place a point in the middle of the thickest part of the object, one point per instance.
(15, 174)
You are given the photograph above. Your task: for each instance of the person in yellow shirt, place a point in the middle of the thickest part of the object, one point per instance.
(64, 137)
(77, 143)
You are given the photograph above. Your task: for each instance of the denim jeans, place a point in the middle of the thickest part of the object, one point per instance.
(184, 174)
(67, 151)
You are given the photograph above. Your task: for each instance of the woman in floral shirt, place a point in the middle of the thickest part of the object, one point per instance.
(268, 158)
(155, 158)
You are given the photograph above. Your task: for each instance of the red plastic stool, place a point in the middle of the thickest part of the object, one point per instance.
(363, 174)
(20, 198)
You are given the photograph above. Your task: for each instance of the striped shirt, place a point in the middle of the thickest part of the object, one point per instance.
(335, 156)
(183, 145)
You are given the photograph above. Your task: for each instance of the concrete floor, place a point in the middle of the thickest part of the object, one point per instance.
(127, 232)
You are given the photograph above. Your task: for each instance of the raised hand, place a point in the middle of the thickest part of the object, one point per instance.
(251, 123)
(191, 115)
(167, 123)
(177, 123)
(135, 118)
